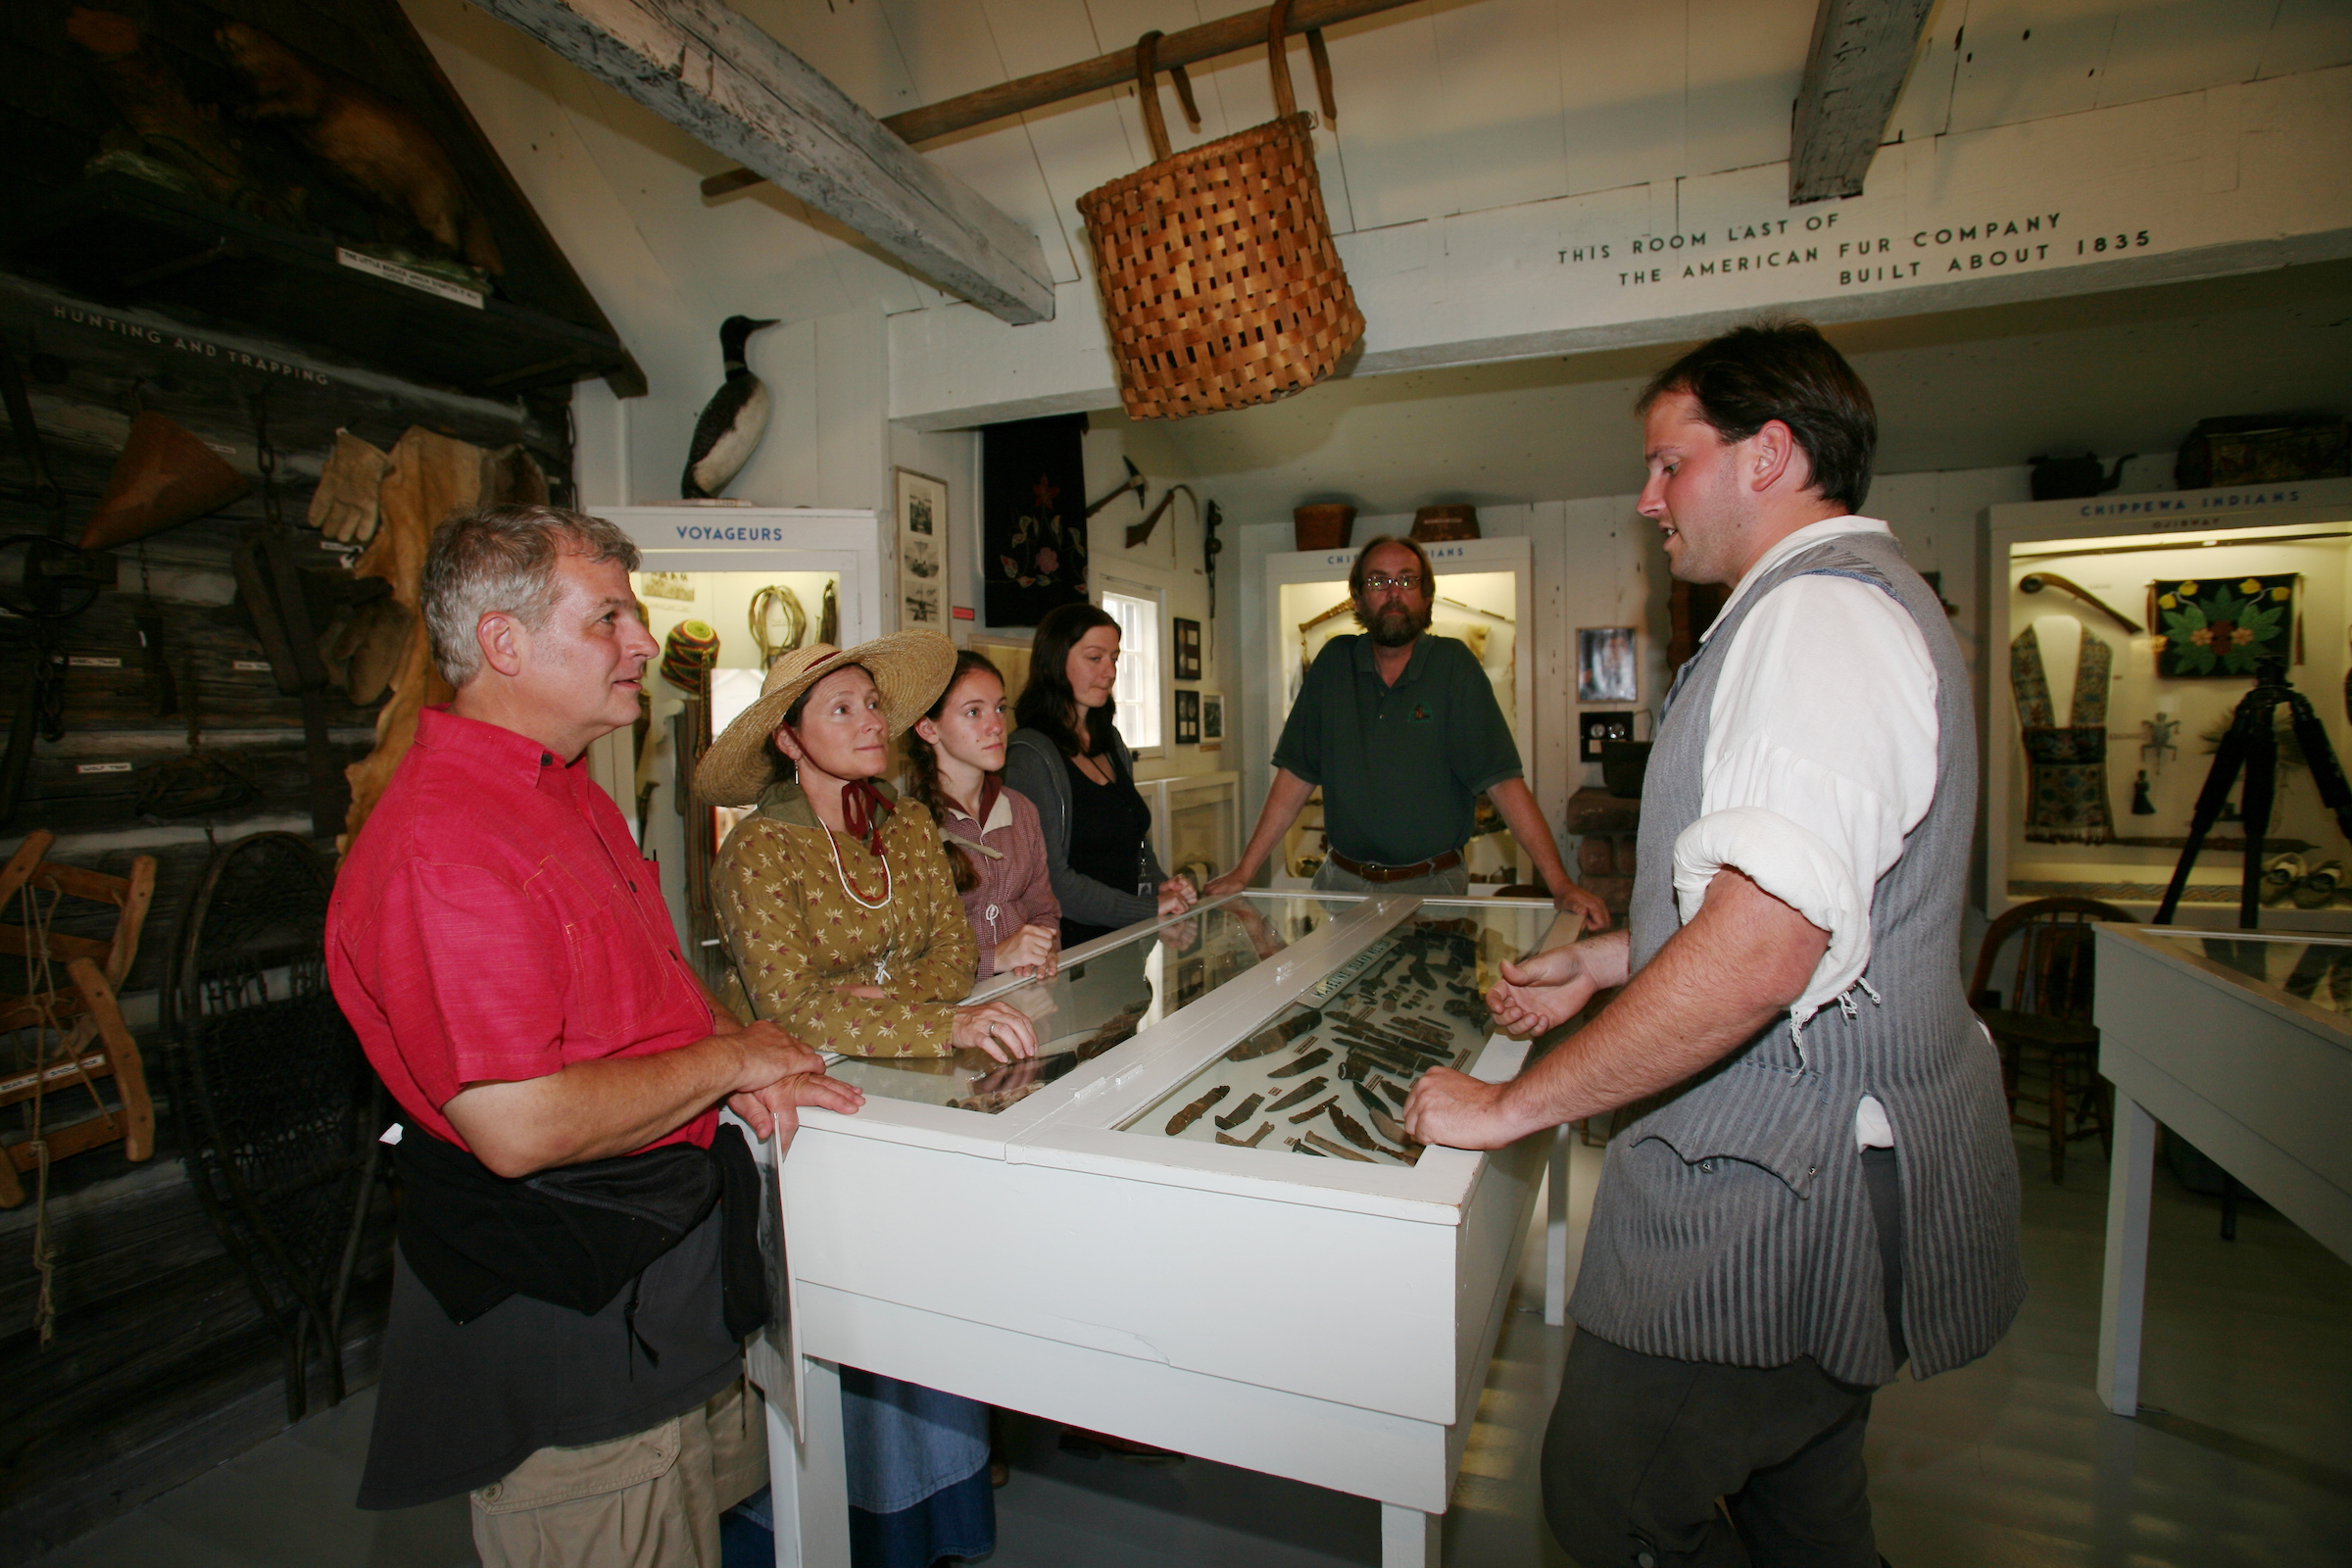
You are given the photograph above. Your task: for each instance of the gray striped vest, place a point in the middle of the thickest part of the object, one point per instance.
(1730, 1224)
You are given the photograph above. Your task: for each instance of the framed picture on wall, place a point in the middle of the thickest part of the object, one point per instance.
(922, 505)
(1187, 649)
(1606, 670)
(1594, 728)
(1212, 722)
(1188, 717)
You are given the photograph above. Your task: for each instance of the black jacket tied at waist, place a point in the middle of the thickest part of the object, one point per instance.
(575, 1234)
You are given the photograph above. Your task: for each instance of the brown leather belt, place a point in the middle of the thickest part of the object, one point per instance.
(1371, 872)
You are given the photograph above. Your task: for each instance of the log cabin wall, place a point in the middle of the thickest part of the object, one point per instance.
(252, 312)
(161, 1362)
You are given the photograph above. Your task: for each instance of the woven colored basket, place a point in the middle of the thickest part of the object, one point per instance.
(1217, 265)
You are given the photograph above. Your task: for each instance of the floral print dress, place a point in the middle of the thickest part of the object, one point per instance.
(797, 932)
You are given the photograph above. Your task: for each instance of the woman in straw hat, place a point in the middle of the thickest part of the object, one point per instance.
(845, 926)
(839, 908)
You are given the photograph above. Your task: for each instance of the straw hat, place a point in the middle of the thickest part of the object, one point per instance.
(911, 669)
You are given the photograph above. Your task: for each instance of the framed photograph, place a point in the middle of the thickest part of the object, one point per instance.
(922, 505)
(1188, 717)
(1606, 670)
(1594, 728)
(1212, 722)
(1187, 649)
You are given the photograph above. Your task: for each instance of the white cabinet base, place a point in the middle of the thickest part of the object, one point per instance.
(2123, 1288)
(1408, 1538)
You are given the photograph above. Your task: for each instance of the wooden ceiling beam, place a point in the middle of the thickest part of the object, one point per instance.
(1861, 53)
(707, 69)
(1226, 35)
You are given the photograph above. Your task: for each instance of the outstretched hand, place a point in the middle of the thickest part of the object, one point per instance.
(1542, 991)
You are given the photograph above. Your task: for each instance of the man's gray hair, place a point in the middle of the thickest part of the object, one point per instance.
(504, 558)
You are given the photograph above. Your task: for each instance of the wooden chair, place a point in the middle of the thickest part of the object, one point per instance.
(97, 1043)
(2049, 1011)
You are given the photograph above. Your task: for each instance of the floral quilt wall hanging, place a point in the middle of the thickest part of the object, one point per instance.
(2222, 626)
(1033, 523)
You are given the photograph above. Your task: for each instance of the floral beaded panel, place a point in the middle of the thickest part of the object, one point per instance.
(809, 913)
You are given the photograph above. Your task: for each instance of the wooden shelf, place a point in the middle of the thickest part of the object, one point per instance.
(128, 243)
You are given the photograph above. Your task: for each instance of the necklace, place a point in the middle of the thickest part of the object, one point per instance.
(882, 959)
(847, 886)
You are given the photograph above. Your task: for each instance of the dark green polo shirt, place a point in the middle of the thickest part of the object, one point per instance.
(1400, 767)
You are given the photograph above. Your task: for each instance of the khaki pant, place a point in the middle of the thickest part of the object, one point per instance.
(651, 1499)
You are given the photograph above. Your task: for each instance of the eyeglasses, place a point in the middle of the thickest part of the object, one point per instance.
(1380, 582)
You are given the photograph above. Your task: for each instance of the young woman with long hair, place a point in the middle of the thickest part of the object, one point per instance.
(1069, 759)
(995, 847)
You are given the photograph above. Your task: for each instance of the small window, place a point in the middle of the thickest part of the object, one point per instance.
(1138, 691)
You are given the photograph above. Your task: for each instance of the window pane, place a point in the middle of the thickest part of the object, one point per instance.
(1138, 687)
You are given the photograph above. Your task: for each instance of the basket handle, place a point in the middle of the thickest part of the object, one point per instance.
(1278, 18)
(1146, 88)
(1285, 100)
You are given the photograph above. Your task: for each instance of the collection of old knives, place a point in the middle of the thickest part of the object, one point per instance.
(1403, 1023)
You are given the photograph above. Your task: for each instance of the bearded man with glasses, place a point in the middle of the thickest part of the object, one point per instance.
(1402, 731)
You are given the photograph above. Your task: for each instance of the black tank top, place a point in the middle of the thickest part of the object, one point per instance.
(1107, 826)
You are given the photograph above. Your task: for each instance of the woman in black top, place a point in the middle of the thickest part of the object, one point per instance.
(1069, 759)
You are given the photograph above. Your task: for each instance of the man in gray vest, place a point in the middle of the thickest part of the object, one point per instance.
(1829, 1188)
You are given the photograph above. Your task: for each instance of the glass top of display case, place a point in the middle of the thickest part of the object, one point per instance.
(2315, 969)
(1327, 1076)
(1107, 997)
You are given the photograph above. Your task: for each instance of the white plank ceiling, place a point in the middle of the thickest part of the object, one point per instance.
(1445, 107)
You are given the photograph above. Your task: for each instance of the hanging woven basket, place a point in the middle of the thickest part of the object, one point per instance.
(1217, 265)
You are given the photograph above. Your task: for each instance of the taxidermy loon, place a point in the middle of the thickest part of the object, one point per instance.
(732, 422)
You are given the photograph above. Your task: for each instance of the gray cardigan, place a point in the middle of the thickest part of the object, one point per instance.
(1034, 765)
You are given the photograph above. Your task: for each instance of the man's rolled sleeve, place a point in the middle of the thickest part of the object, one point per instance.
(1795, 866)
(1821, 756)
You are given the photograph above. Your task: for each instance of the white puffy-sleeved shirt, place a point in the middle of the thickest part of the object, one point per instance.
(1821, 756)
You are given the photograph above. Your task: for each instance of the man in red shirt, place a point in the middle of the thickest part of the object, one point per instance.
(560, 1342)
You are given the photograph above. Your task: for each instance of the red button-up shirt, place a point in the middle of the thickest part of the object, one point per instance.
(495, 922)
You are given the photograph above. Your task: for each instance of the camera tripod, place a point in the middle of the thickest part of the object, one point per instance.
(2251, 743)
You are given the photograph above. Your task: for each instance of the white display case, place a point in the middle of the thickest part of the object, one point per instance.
(2117, 549)
(1486, 598)
(2240, 1043)
(707, 564)
(1127, 1235)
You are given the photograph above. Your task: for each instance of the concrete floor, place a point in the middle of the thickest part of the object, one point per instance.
(2243, 1457)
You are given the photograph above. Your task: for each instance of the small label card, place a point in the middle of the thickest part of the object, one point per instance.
(409, 277)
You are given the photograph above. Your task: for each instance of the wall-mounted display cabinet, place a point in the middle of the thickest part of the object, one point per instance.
(2100, 734)
(722, 565)
(1486, 598)
(1193, 1221)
